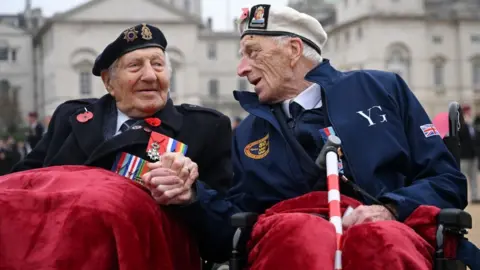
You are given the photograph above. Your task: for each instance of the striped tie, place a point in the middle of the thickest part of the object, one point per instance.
(126, 125)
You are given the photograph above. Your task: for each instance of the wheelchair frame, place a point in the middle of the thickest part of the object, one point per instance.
(449, 221)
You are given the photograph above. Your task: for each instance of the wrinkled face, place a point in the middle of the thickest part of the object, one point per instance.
(140, 82)
(267, 65)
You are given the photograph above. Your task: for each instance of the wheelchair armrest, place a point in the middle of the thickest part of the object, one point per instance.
(455, 222)
(243, 222)
(244, 219)
(454, 219)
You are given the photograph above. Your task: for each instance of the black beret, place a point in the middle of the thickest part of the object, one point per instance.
(136, 37)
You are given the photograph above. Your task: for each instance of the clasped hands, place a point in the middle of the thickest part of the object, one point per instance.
(171, 178)
(364, 214)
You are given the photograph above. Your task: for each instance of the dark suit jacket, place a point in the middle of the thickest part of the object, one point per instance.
(71, 142)
(35, 135)
(467, 142)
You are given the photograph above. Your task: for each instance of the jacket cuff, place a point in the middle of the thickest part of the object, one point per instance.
(403, 207)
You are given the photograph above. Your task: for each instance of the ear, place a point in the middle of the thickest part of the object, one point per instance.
(107, 82)
(296, 49)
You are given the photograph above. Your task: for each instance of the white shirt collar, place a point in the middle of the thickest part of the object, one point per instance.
(121, 118)
(310, 98)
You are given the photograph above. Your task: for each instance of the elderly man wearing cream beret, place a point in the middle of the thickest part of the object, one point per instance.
(389, 149)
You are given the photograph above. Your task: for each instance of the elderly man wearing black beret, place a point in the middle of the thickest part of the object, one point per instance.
(136, 131)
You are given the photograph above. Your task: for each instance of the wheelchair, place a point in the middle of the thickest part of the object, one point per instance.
(449, 221)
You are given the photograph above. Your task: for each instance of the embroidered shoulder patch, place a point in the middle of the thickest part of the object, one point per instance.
(258, 149)
(429, 130)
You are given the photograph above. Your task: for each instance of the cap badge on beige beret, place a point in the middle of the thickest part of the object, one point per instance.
(259, 17)
(130, 34)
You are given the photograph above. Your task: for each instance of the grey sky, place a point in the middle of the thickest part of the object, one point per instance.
(222, 11)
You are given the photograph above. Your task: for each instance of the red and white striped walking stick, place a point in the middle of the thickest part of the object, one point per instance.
(328, 159)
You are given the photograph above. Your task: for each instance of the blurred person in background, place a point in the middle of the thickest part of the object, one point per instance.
(236, 121)
(46, 121)
(468, 152)
(4, 166)
(22, 149)
(9, 155)
(35, 131)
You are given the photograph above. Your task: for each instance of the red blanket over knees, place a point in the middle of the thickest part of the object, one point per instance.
(75, 217)
(289, 237)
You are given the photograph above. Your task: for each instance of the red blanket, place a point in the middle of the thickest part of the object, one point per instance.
(75, 217)
(289, 237)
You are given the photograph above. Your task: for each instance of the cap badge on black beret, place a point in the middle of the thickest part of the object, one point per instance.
(146, 33)
(130, 34)
(259, 17)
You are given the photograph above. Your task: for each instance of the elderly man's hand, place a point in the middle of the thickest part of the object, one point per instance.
(363, 214)
(170, 179)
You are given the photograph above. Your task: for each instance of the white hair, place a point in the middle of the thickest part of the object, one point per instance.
(113, 67)
(308, 51)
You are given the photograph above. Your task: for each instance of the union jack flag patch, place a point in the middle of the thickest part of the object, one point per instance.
(429, 130)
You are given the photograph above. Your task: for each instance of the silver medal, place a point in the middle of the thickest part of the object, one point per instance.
(153, 153)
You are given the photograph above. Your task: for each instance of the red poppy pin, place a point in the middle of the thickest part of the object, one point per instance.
(84, 117)
(153, 121)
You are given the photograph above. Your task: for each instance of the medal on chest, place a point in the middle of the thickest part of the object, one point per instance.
(159, 144)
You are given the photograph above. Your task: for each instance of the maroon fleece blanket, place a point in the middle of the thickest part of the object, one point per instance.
(76, 217)
(289, 237)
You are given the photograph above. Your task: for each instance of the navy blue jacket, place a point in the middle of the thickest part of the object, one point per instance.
(379, 121)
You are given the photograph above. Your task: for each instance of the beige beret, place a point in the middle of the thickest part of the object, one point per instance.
(269, 20)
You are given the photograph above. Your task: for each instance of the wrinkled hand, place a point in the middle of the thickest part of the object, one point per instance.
(170, 179)
(364, 214)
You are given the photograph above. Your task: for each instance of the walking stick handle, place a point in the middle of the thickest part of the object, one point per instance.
(332, 145)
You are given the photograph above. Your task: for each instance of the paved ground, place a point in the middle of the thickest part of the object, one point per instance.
(474, 234)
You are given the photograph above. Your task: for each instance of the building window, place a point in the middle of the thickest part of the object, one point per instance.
(476, 73)
(35, 23)
(14, 55)
(347, 37)
(213, 88)
(188, 5)
(242, 84)
(4, 86)
(437, 39)
(475, 38)
(439, 72)
(359, 32)
(85, 83)
(212, 51)
(4, 54)
(398, 60)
